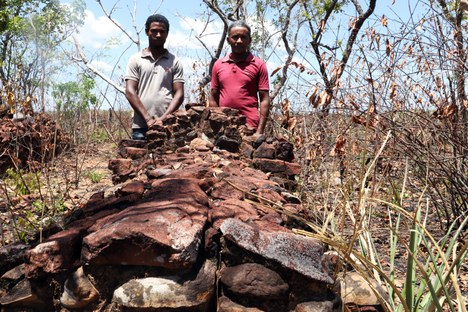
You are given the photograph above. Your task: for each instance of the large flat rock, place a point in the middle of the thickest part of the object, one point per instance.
(167, 293)
(292, 251)
(164, 230)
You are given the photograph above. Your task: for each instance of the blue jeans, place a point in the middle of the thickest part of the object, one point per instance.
(139, 134)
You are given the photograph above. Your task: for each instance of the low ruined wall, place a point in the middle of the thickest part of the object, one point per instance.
(27, 141)
(199, 220)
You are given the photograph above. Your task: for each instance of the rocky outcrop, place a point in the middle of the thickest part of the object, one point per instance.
(199, 219)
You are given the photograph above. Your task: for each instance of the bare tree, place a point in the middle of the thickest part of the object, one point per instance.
(455, 19)
(332, 76)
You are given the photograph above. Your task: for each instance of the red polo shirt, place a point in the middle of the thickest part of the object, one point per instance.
(238, 84)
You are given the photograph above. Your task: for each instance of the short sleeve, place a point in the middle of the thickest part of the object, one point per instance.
(214, 76)
(178, 73)
(133, 70)
(263, 81)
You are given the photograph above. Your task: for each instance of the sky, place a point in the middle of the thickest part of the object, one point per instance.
(186, 22)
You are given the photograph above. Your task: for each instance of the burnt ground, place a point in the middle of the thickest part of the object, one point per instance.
(65, 183)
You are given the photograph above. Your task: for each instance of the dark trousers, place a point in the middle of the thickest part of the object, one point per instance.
(139, 134)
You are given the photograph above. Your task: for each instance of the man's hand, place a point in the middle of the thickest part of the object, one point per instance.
(152, 122)
(258, 139)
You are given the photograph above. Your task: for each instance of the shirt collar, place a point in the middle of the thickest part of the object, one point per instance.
(146, 52)
(227, 59)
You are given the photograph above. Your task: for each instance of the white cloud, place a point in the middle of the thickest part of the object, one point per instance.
(186, 33)
(96, 31)
(102, 66)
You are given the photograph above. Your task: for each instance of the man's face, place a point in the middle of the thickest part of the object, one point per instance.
(157, 34)
(239, 39)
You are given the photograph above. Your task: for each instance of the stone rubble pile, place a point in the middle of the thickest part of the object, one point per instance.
(23, 142)
(194, 223)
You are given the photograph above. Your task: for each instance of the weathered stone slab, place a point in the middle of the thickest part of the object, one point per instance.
(22, 295)
(254, 281)
(14, 274)
(232, 208)
(60, 251)
(237, 184)
(164, 230)
(164, 293)
(295, 252)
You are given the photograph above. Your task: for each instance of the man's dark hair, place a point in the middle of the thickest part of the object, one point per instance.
(239, 24)
(158, 18)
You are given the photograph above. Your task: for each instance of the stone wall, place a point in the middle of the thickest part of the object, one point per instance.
(200, 219)
(30, 140)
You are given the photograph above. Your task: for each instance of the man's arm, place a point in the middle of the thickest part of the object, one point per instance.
(264, 110)
(131, 88)
(214, 98)
(177, 99)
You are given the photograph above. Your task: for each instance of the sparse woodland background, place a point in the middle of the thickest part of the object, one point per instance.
(375, 104)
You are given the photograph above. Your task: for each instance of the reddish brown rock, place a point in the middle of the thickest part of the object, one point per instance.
(254, 285)
(254, 281)
(276, 166)
(156, 135)
(165, 230)
(295, 252)
(201, 145)
(265, 150)
(120, 165)
(134, 187)
(238, 183)
(229, 144)
(284, 151)
(267, 195)
(246, 150)
(158, 173)
(218, 117)
(123, 144)
(225, 110)
(135, 152)
(61, 251)
(232, 208)
(225, 190)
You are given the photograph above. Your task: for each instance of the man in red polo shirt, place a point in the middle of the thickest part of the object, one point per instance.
(240, 79)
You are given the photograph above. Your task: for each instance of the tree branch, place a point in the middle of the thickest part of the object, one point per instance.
(93, 69)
